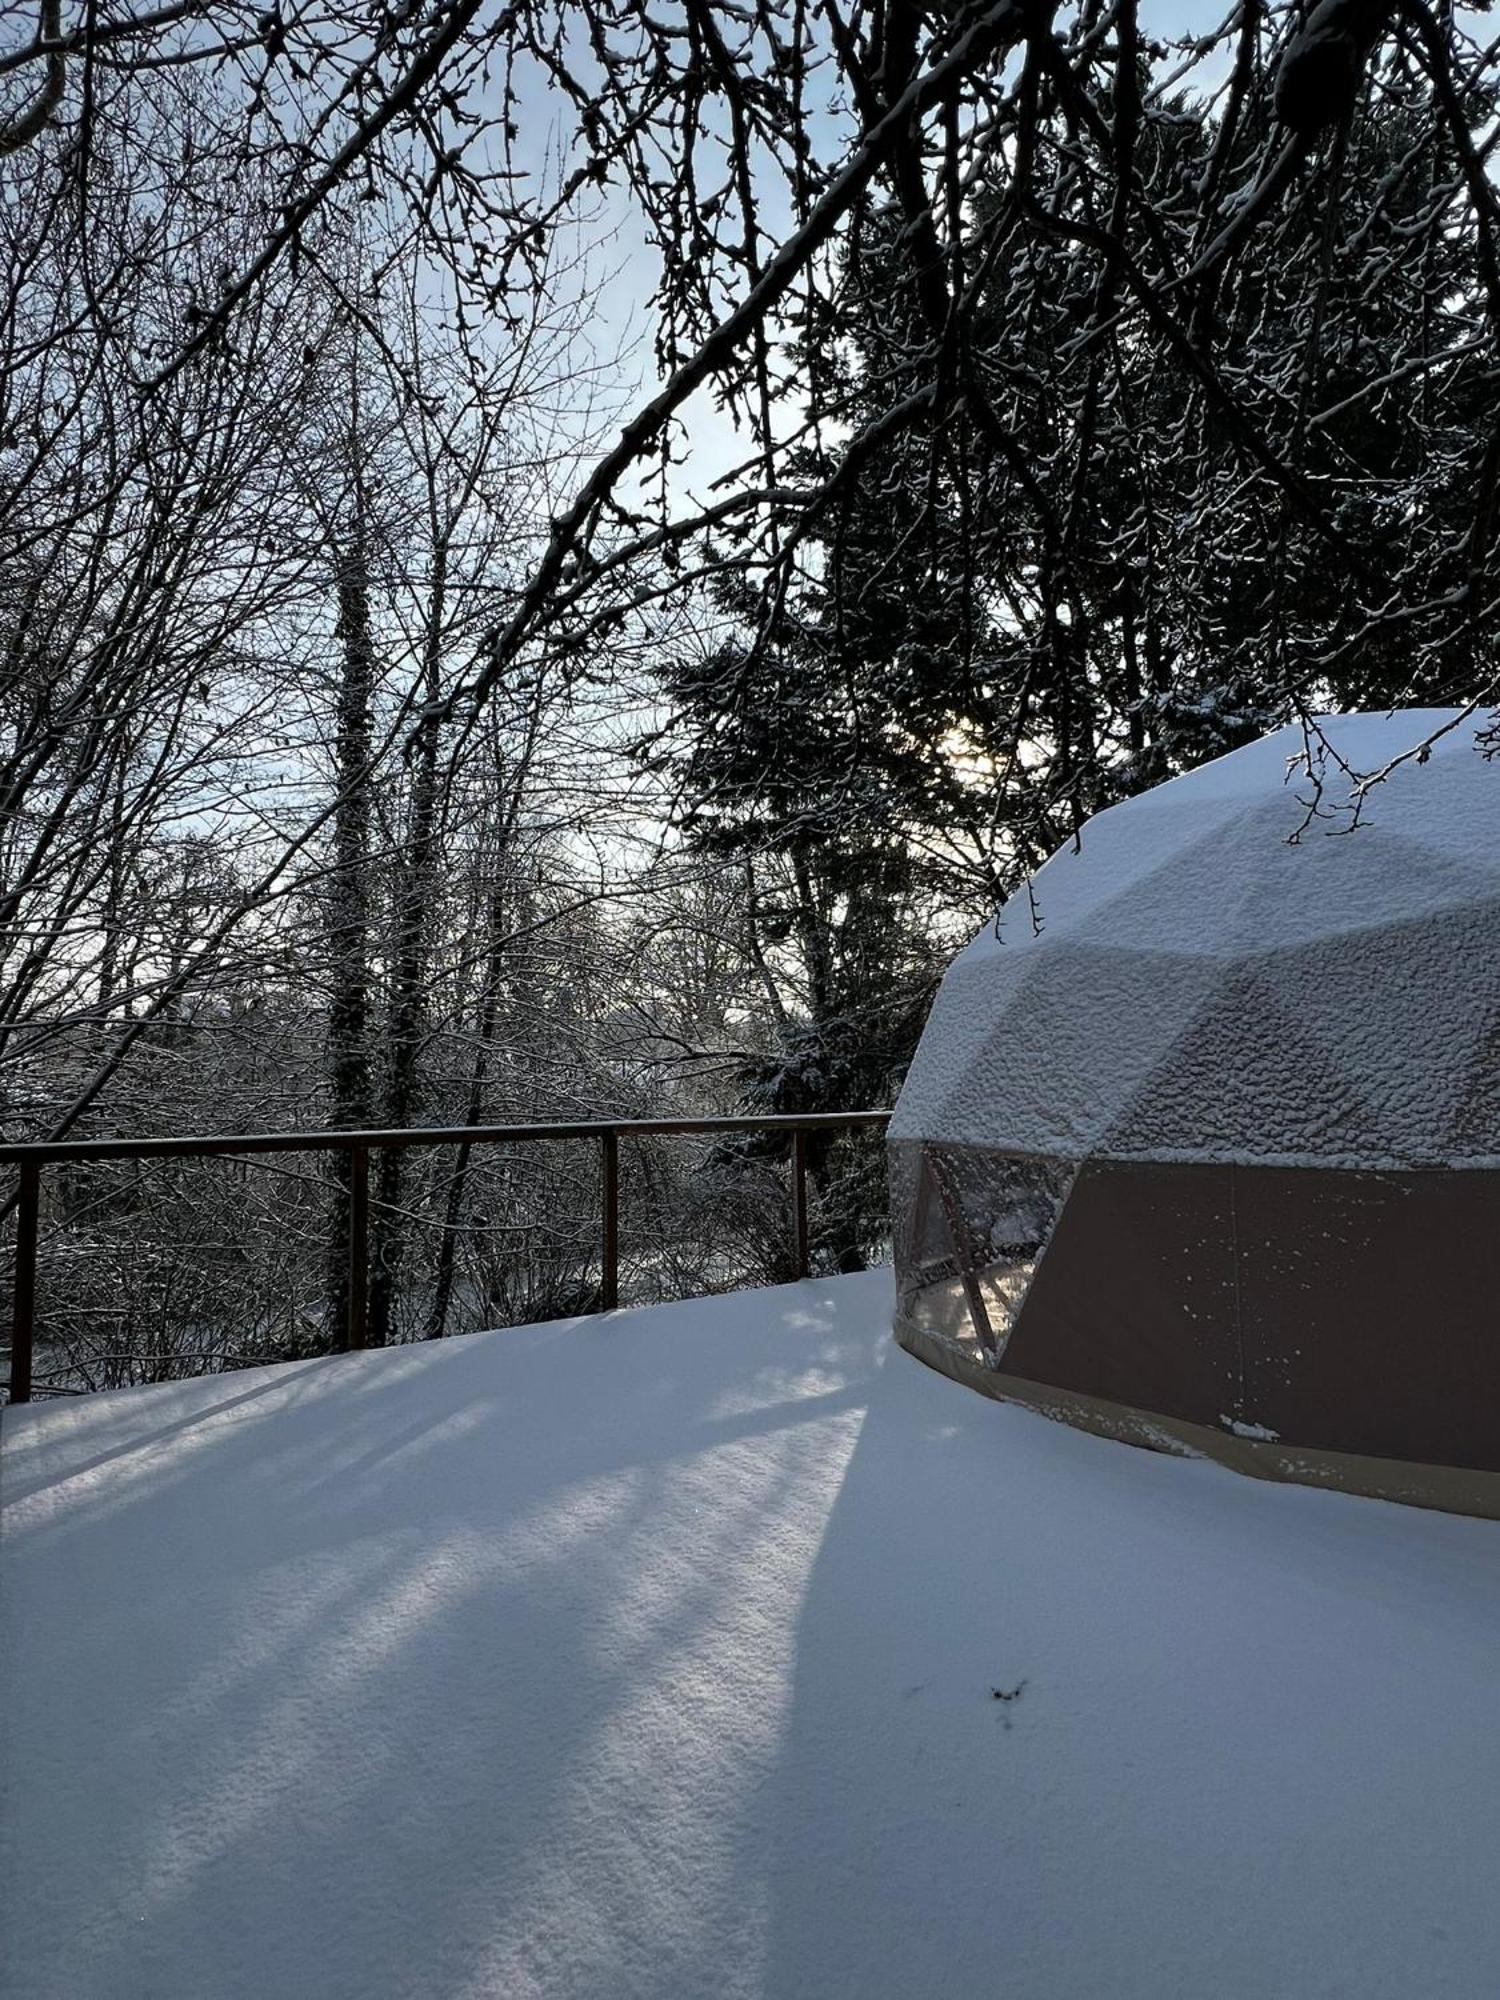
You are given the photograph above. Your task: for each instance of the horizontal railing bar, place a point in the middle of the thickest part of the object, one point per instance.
(46, 1152)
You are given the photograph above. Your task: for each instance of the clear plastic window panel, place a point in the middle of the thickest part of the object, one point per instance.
(969, 1228)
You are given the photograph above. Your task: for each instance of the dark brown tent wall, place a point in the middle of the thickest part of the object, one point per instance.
(1350, 1311)
(1302, 1322)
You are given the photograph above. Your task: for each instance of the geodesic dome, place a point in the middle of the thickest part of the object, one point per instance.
(1201, 1144)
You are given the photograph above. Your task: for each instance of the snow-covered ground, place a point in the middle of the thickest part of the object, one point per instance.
(657, 1655)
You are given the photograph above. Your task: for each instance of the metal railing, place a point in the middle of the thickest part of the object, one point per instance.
(606, 1133)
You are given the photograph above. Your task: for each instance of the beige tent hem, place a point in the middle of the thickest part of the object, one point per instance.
(1450, 1488)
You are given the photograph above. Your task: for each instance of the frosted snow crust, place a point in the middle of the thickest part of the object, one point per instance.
(1190, 982)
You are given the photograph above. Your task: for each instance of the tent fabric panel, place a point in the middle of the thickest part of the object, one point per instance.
(1244, 1077)
(969, 1003)
(1134, 1301)
(1068, 1039)
(1414, 1050)
(1129, 856)
(1369, 1313)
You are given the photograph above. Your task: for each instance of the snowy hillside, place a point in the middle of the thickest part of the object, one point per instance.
(720, 1649)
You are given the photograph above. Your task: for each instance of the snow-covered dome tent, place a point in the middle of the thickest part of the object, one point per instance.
(1201, 1144)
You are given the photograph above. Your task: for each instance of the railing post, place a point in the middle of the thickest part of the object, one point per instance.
(23, 1299)
(799, 1198)
(609, 1286)
(359, 1247)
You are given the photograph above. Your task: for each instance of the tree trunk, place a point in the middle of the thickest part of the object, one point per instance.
(349, 912)
(407, 1018)
(489, 1007)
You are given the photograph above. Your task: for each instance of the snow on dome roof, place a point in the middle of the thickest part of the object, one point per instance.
(1190, 982)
